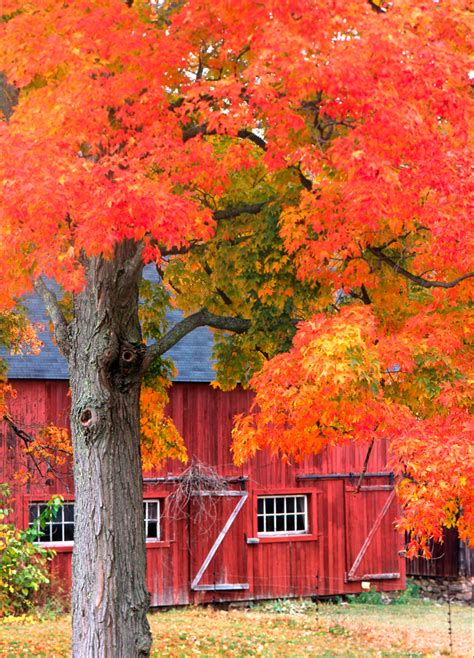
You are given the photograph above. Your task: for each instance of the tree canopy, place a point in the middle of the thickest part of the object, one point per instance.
(296, 171)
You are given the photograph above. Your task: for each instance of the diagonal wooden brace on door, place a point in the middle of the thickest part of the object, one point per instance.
(351, 576)
(220, 586)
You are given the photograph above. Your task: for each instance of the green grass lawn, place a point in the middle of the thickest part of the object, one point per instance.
(276, 629)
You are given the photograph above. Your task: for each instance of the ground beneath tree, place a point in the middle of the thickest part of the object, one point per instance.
(280, 628)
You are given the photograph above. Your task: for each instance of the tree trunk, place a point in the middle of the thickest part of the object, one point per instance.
(110, 600)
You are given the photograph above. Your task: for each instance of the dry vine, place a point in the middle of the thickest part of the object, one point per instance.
(201, 485)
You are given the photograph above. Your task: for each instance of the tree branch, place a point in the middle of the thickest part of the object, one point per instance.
(418, 280)
(194, 131)
(222, 294)
(364, 468)
(28, 439)
(54, 311)
(363, 296)
(135, 263)
(258, 141)
(180, 251)
(244, 209)
(8, 97)
(304, 180)
(202, 318)
(226, 213)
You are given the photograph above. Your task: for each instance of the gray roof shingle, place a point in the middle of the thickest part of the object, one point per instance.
(192, 356)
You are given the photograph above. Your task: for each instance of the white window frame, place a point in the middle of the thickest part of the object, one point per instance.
(48, 528)
(285, 515)
(147, 518)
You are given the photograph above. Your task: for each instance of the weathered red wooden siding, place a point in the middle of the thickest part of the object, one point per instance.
(316, 564)
(450, 559)
(37, 404)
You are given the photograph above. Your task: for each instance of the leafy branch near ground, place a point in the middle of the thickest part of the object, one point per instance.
(23, 563)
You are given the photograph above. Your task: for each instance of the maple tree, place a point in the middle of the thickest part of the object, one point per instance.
(287, 167)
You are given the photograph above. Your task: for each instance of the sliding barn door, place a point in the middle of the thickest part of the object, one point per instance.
(372, 542)
(218, 552)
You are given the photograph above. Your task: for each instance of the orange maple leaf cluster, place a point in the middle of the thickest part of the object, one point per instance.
(159, 437)
(347, 379)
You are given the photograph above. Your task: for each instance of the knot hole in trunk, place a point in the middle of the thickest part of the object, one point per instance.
(87, 418)
(128, 356)
(127, 369)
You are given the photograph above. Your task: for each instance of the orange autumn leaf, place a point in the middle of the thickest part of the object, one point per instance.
(159, 437)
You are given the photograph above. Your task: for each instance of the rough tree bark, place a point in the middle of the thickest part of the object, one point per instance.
(110, 600)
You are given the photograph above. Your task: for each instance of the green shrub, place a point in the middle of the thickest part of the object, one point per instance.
(23, 563)
(410, 593)
(288, 606)
(51, 605)
(370, 597)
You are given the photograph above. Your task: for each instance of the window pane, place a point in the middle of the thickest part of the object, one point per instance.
(152, 510)
(269, 505)
(290, 504)
(280, 505)
(56, 532)
(260, 524)
(300, 522)
(270, 524)
(300, 504)
(290, 523)
(280, 523)
(69, 532)
(260, 506)
(152, 530)
(68, 512)
(33, 512)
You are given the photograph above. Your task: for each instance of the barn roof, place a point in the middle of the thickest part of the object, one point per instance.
(192, 356)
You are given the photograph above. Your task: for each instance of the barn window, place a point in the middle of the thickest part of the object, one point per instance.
(59, 529)
(282, 515)
(151, 514)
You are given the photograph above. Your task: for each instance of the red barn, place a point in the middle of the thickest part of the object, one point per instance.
(268, 530)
